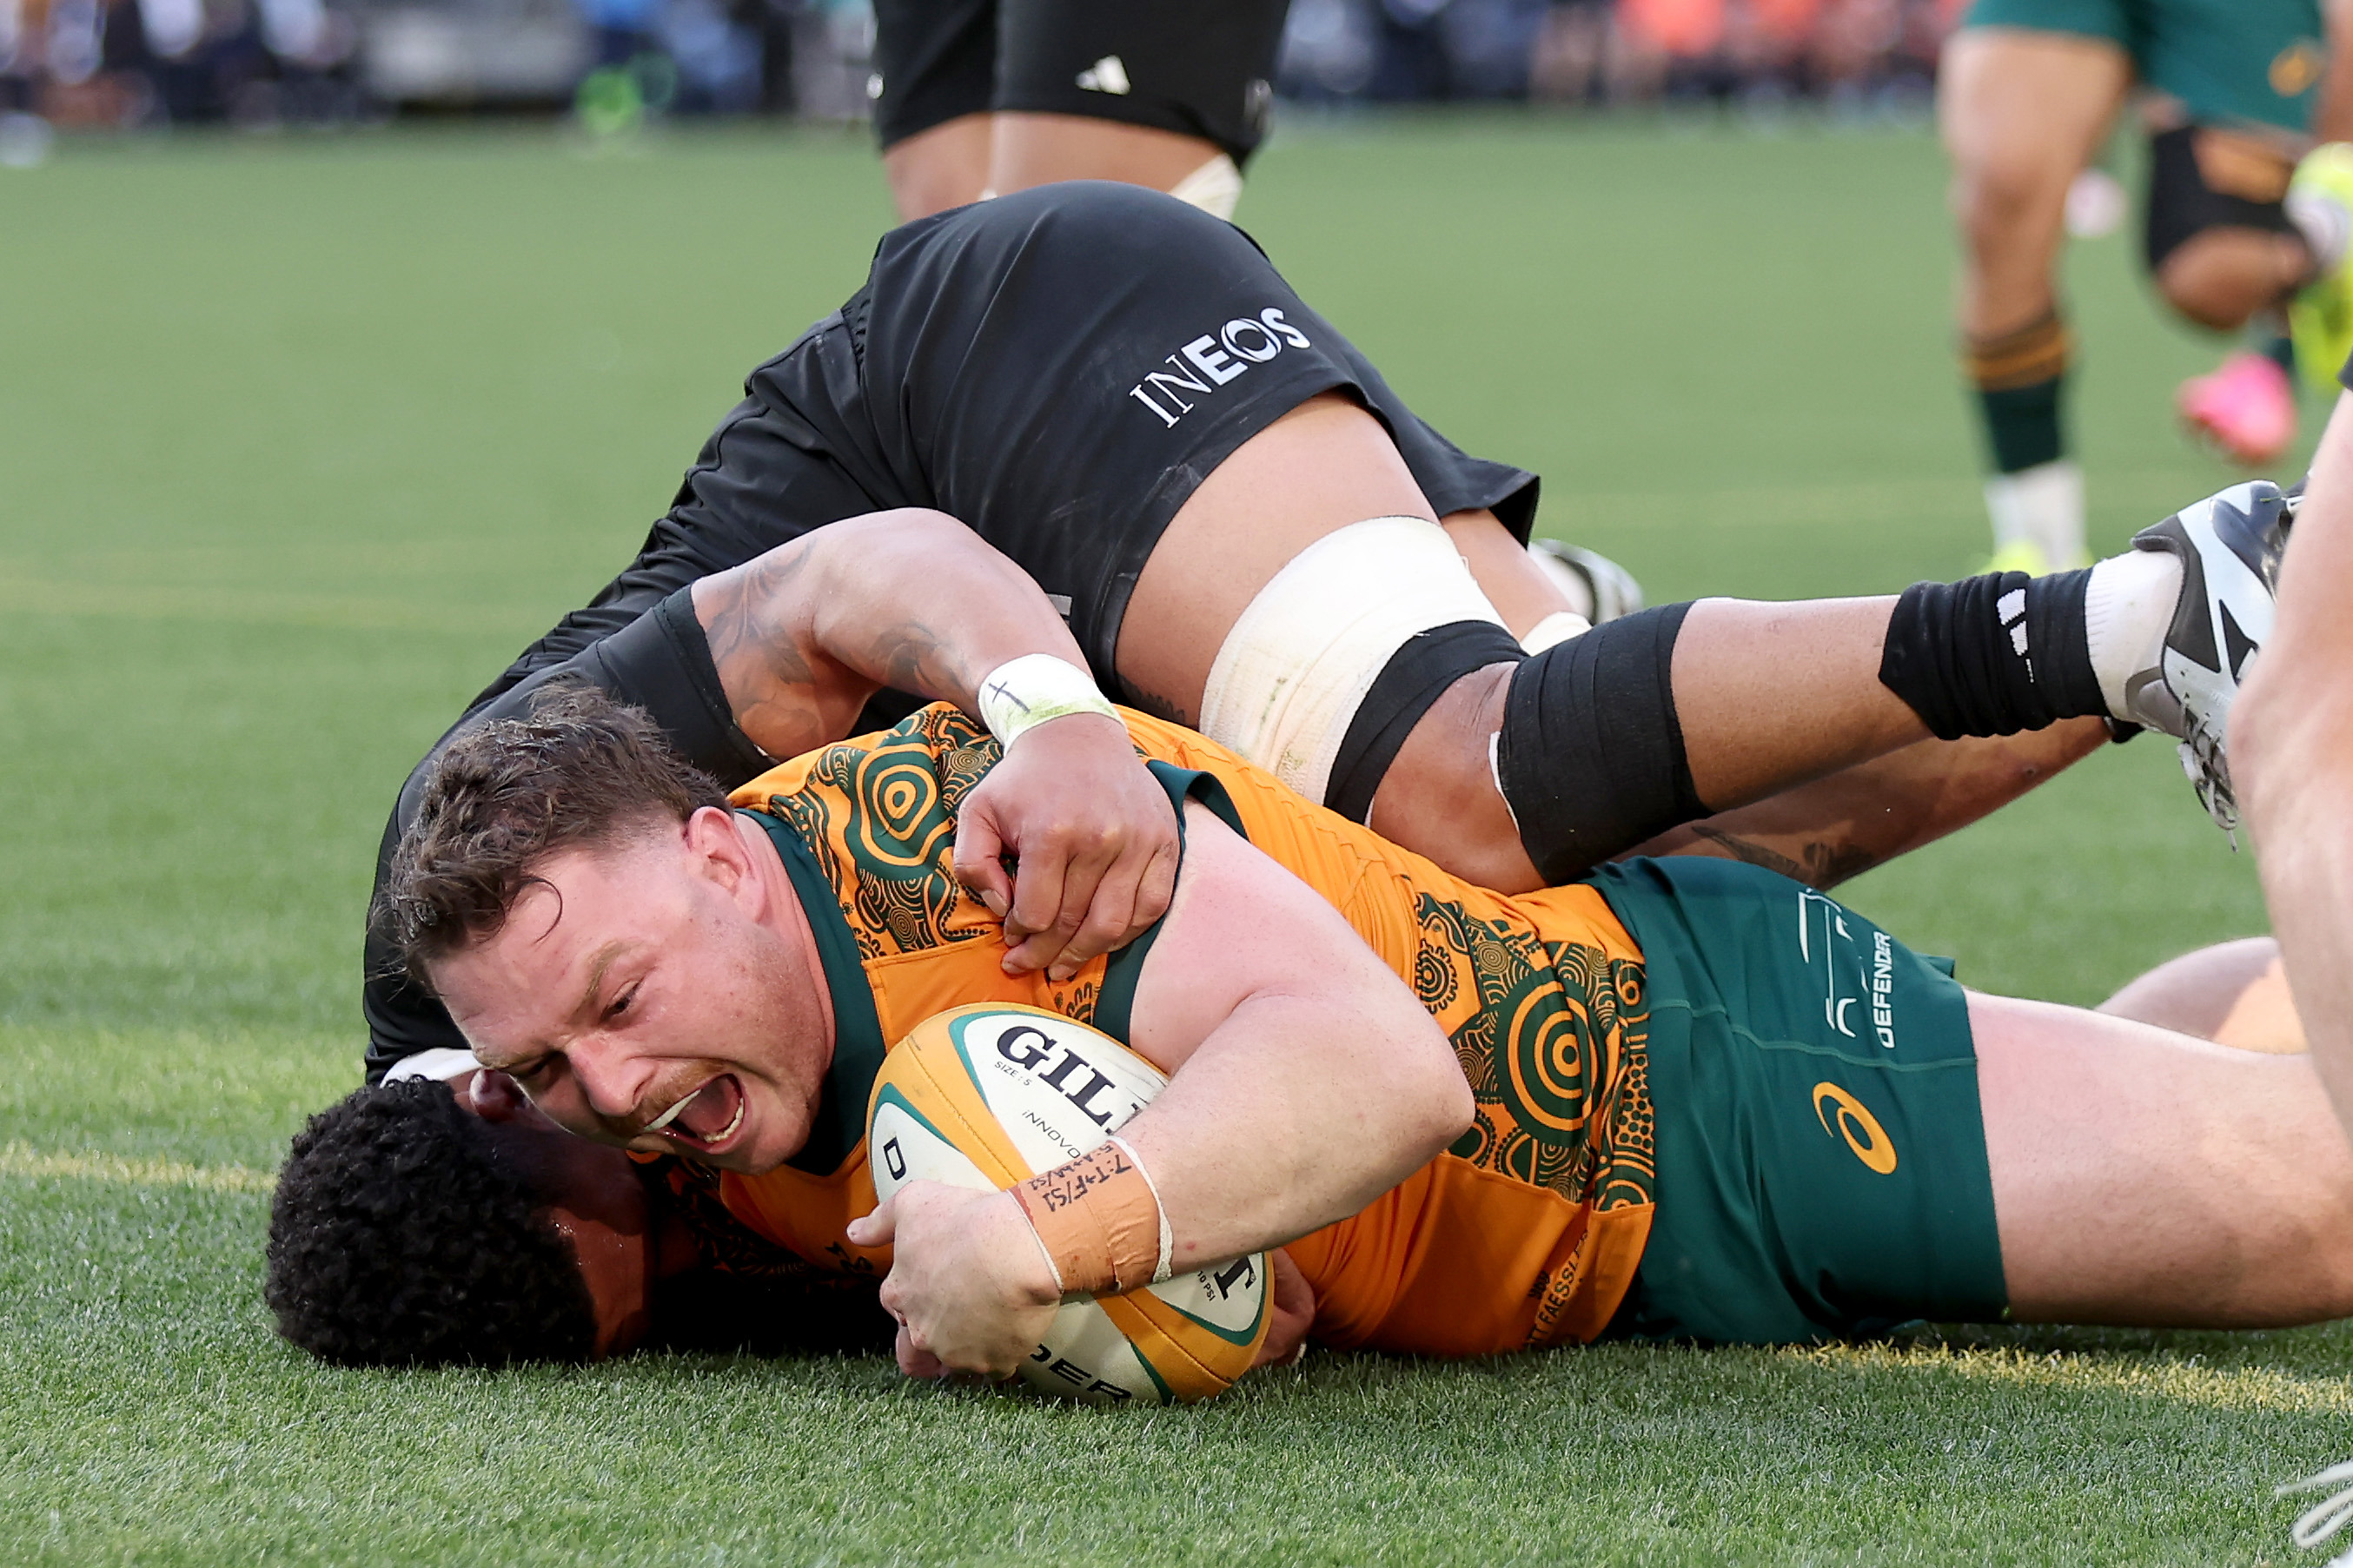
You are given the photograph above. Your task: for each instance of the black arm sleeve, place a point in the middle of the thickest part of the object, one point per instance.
(662, 663)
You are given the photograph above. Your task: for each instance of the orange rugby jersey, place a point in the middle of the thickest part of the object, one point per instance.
(1525, 1233)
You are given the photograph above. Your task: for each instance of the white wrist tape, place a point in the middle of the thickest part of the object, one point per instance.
(1036, 688)
(1167, 1236)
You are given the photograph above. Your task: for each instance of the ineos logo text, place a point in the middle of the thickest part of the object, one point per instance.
(1213, 359)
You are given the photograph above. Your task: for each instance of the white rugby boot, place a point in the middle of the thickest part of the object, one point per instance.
(1598, 587)
(2228, 546)
(2328, 1516)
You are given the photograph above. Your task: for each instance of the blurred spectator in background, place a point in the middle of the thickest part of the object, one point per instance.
(1847, 53)
(967, 94)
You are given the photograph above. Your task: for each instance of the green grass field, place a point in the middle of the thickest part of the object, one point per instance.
(299, 440)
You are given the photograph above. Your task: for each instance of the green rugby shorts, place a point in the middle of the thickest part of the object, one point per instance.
(1821, 1151)
(2245, 60)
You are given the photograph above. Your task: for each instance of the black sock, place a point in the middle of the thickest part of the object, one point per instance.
(2022, 423)
(1993, 655)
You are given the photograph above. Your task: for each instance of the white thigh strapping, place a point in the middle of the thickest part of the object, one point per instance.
(1297, 665)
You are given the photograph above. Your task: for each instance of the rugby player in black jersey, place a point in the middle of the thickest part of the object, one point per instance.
(977, 95)
(1245, 530)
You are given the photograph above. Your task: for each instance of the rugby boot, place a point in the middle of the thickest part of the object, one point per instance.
(2326, 1517)
(2228, 546)
(2320, 316)
(2245, 410)
(1598, 587)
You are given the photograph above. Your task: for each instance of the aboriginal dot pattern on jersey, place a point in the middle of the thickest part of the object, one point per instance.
(1551, 1037)
(889, 815)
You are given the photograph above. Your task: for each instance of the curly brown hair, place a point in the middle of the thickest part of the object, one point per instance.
(579, 769)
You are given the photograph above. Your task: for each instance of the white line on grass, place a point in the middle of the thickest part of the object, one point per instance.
(17, 1160)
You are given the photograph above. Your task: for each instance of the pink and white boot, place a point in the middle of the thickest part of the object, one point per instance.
(2245, 410)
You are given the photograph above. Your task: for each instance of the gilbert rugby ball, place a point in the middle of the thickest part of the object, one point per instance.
(986, 1096)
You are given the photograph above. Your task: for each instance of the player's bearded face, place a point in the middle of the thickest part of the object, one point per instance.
(640, 999)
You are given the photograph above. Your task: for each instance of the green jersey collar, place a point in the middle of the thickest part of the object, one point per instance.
(858, 1044)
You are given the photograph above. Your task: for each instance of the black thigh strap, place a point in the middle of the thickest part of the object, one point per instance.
(1592, 755)
(1416, 675)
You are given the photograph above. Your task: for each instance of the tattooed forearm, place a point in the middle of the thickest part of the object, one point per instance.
(803, 636)
(915, 658)
(1826, 862)
(1159, 707)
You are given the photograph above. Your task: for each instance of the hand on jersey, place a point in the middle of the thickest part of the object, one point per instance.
(968, 1285)
(1291, 1309)
(1094, 836)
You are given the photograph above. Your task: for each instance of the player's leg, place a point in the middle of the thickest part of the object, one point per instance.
(2022, 110)
(1171, 94)
(1511, 771)
(2226, 254)
(2229, 241)
(1847, 1139)
(1844, 823)
(934, 72)
(2145, 1178)
(2234, 993)
(944, 167)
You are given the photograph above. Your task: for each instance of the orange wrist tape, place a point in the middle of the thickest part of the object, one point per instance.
(1099, 1221)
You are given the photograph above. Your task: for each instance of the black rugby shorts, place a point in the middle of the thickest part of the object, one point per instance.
(1199, 67)
(1058, 368)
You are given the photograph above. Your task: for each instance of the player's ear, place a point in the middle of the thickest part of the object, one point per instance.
(716, 850)
(494, 1095)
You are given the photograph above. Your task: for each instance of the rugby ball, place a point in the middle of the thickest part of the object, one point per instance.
(987, 1096)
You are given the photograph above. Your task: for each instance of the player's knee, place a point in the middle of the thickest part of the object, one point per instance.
(1440, 798)
(2218, 278)
(2001, 197)
(2215, 219)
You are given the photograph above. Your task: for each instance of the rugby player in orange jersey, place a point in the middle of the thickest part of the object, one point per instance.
(1684, 1096)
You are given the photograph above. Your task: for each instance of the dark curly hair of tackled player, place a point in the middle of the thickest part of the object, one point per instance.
(398, 1238)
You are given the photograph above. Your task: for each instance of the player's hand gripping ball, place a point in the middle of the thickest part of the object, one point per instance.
(985, 1097)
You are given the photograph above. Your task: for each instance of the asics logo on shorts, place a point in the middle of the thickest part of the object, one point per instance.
(1859, 1127)
(1212, 359)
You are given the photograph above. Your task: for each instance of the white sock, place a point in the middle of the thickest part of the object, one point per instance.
(2127, 609)
(2042, 506)
(1214, 187)
(2323, 224)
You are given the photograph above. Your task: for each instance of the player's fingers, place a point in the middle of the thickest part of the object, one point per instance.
(913, 1359)
(875, 1229)
(1132, 896)
(1090, 881)
(1037, 892)
(1157, 889)
(980, 857)
(1109, 920)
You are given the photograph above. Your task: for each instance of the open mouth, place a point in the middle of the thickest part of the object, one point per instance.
(706, 1119)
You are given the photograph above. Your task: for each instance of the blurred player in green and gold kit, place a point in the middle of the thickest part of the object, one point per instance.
(2246, 220)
